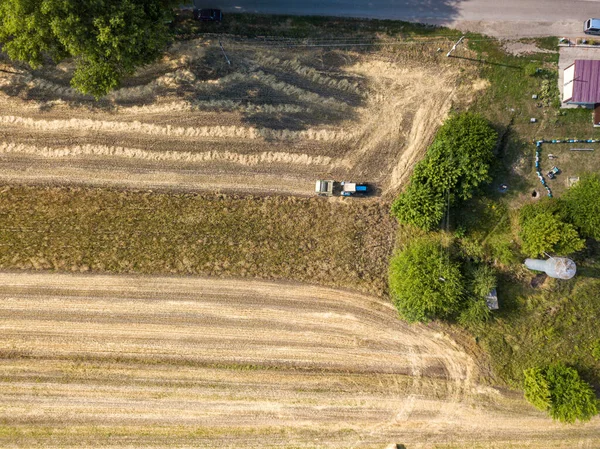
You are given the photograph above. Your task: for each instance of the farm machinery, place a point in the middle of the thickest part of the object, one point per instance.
(325, 187)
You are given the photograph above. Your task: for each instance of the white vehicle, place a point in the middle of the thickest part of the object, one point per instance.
(591, 26)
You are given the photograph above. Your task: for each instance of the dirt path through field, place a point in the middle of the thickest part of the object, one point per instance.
(107, 361)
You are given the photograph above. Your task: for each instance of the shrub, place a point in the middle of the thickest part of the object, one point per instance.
(560, 391)
(456, 163)
(481, 280)
(424, 284)
(476, 313)
(419, 206)
(596, 350)
(537, 390)
(583, 207)
(543, 230)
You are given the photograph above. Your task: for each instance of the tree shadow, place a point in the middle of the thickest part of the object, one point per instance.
(510, 156)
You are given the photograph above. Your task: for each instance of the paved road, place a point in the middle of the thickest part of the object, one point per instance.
(502, 18)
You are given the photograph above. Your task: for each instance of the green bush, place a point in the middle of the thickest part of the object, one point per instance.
(476, 313)
(502, 249)
(424, 284)
(560, 391)
(456, 164)
(536, 388)
(596, 350)
(420, 206)
(481, 279)
(544, 231)
(582, 205)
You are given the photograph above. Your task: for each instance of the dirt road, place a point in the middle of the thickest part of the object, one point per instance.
(509, 18)
(101, 361)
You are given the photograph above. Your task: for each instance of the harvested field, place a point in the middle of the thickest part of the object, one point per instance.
(311, 240)
(273, 121)
(99, 361)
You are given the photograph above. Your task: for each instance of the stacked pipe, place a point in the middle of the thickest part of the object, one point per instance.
(538, 148)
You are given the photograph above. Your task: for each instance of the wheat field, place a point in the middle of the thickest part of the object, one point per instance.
(134, 361)
(276, 119)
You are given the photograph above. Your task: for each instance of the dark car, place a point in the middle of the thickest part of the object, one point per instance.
(208, 15)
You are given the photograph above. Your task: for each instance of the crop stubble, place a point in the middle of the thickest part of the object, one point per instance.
(193, 122)
(107, 361)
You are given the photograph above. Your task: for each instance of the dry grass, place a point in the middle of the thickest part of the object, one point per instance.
(220, 105)
(310, 240)
(310, 73)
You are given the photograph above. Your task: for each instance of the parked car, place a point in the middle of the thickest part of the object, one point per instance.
(208, 15)
(591, 26)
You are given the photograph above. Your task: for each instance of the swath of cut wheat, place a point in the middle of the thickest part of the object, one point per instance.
(168, 130)
(266, 157)
(309, 73)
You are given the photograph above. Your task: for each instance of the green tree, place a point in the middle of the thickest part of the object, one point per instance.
(560, 391)
(424, 284)
(537, 390)
(456, 163)
(420, 206)
(583, 207)
(468, 142)
(109, 39)
(543, 230)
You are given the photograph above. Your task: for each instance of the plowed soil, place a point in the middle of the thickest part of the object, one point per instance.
(273, 121)
(100, 361)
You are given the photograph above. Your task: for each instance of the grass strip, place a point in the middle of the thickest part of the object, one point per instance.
(340, 244)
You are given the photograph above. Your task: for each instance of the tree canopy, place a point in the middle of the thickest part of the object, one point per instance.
(542, 229)
(109, 39)
(424, 284)
(583, 207)
(560, 391)
(456, 163)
